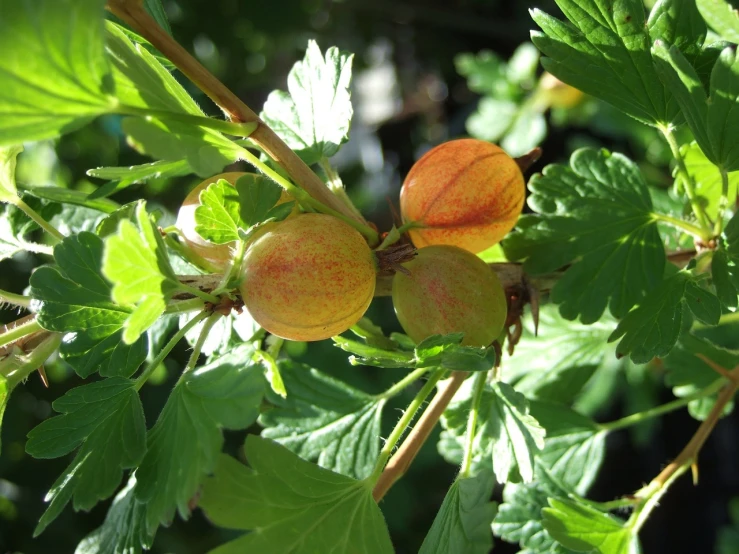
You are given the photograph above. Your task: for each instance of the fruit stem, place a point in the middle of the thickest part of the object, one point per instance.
(688, 181)
(403, 458)
(401, 385)
(478, 389)
(306, 200)
(183, 306)
(402, 425)
(133, 14)
(233, 268)
(16, 332)
(199, 293)
(139, 382)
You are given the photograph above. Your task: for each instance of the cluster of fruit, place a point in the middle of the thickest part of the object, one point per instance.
(312, 276)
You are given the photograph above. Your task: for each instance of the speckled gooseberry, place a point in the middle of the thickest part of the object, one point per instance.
(216, 256)
(308, 278)
(467, 193)
(449, 290)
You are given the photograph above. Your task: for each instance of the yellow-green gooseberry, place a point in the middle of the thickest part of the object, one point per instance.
(308, 278)
(558, 94)
(449, 290)
(467, 193)
(217, 256)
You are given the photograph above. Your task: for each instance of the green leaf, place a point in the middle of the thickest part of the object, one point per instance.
(124, 529)
(558, 361)
(713, 117)
(722, 274)
(597, 216)
(156, 10)
(74, 299)
(707, 179)
(519, 518)
(486, 73)
(226, 333)
(678, 22)
(462, 525)
(652, 328)
(4, 396)
(225, 208)
(106, 421)
(205, 151)
(73, 197)
(291, 506)
(326, 420)
(315, 117)
(687, 373)
(8, 158)
(722, 16)
(604, 52)
(224, 394)
(436, 351)
(66, 84)
(135, 262)
(506, 432)
(574, 448)
(123, 177)
(585, 529)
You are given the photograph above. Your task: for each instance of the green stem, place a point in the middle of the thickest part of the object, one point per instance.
(305, 200)
(688, 180)
(401, 385)
(15, 299)
(183, 306)
(34, 360)
(168, 348)
(199, 293)
(192, 362)
(337, 185)
(723, 202)
(45, 225)
(402, 425)
(188, 254)
(682, 225)
(14, 333)
(478, 389)
(233, 268)
(642, 511)
(657, 411)
(226, 127)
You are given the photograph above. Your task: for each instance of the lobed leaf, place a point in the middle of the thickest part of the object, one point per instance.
(105, 420)
(122, 177)
(722, 16)
(462, 525)
(652, 328)
(54, 71)
(326, 420)
(597, 216)
(604, 51)
(74, 299)
(315, 116)
(124, 529)
(291, 506)
(585, 529)
(224, 394)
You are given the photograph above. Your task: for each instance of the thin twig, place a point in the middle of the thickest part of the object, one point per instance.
(133, 14)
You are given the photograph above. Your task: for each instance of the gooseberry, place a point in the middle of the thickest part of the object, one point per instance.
(558, 94)
(466, 192)
(216, 256)
(308, 278)
(449, 290)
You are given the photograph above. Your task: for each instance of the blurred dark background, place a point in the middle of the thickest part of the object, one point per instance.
(408, 96)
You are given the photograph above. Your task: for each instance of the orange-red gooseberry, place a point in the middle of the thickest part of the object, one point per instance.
(216, 256)
(466, 192)
(449, 290)
(308, 278)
